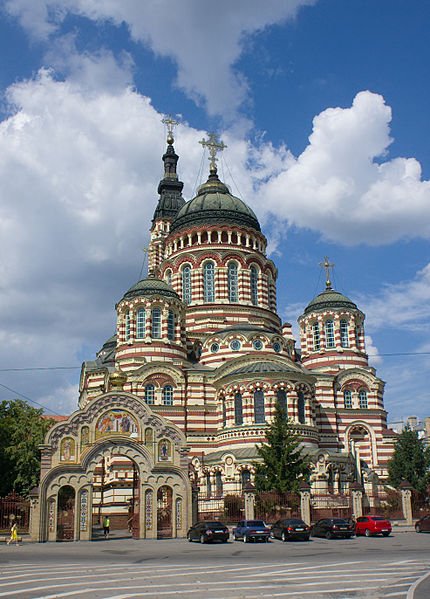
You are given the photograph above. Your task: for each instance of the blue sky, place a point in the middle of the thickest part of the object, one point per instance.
(323, 106)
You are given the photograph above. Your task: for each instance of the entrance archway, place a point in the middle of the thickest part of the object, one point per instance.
(164, 512)
(66, 513)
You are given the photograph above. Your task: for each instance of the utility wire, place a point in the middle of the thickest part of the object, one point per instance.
(40, 368)
(29, 399)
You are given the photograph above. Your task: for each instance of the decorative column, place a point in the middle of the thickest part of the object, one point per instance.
(406, 491)
(34, 525)
(357, 499)
(305, 502)
(194, 504)
(249, 500)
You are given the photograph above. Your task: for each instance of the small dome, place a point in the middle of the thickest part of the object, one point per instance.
(330, 299)
(151, 286)
(214, 204)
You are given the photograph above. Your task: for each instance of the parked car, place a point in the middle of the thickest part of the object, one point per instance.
(290, 528)
(423, 524)
(248, 530)
(331, 528)
(372, 525)
(206, 532)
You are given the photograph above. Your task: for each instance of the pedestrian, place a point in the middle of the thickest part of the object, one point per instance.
(13, 534)
(106, 526)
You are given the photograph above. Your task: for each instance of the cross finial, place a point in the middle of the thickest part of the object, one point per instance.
(327, 266)
(170, 123)
(214, 145)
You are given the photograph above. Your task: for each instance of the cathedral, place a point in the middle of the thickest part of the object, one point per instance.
(186, 387)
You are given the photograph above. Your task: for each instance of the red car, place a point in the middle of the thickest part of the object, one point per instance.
(372, 525)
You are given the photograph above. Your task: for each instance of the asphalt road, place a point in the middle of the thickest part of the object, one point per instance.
(124, 569)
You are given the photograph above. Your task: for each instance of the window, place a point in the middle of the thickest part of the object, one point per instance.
(149, 394)
(186, 285)
(235, 345)
(214, 348)
(233, 293)
(301, 407)
(140, 324)
(168, 395)
(259, 413)
(277, 347)
(316, 335)
(245, 478)
(344, 333)
(238, 409)
(254, 285)
(168, 276)
(281, 398)
(156, 323)
(347, 399)
(208, 485)
(127, 326)
(257, 344)
(171, 326)
(209, 282)
(329, 334)
(224, 412)
(218, 484)
(362, 398)
(357, 336)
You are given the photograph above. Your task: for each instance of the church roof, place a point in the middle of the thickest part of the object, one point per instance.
(264, 368)
(330, 299)
(150, 286)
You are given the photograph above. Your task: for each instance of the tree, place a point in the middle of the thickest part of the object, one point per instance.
(410, 461)
(22, 430)
(284, 464)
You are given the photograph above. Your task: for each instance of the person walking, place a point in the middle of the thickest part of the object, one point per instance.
(13, 534)
(106, 526)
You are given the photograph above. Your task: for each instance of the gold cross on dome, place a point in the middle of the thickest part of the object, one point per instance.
(327, 266)
(214, 146)
(170, 123)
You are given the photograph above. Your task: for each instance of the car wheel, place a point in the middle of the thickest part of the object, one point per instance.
(417, 528)
(245, 539)
(328, 535)
(272, 536)
(283, 537)
(367, 532)
(190, 540)
(385, 534)
(202, 539)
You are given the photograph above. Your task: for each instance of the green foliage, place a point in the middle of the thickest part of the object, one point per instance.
(410, 461)
(22, 430)
(283, 465)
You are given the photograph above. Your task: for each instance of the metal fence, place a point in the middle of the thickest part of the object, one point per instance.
(330, 505)
(14, 508)
(271, 506)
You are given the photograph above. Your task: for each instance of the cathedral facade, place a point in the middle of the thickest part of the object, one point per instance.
(188, 384)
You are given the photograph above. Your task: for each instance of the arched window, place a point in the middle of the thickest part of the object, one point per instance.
(245, 477)
(344, 333)
(259, 412)
(171, 326)
(127, 326)
(140, 323)
(156, 323)
(209, 282)
(149, 394)
(208, 485)
(186, 285)
(254, 285)
(329, 334)
(357, 336)
(362, 398)
(168, 395)
(301, 407)
(218, 484)
(238, 409)
(168, 276)
(347, 399)
(281, 398)
(233, 293)
(316, 336)
(224, 412)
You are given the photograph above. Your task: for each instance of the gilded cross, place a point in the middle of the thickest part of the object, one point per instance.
(214, 146)
(170, 123)
(327, 266)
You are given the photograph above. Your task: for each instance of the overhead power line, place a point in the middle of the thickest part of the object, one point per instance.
(29, 399)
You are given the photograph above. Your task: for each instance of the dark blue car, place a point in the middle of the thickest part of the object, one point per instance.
(251, 530)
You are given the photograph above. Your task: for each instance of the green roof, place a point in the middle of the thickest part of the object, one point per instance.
(150, 286)
(265, 367)
(330, 299)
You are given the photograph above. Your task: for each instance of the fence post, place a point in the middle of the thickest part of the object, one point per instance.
(357, 499)
(194, 504)
(406, 491)
(249, 497)
(305, 502)
(34, 518)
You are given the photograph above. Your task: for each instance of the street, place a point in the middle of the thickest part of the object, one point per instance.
(123, 569)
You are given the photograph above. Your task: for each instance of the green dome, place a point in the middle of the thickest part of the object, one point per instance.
(150, 286)
(330, 299)
(214, 204)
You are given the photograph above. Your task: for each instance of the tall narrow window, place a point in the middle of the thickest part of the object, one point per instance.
(362, 398)
(127, 326)
(233, 294)
(357, 337)
(245, 478)
(344, 333)
(224, 412)
(218, 484)
(140, 323)
(301, 407)
(329, 334)
(238, 409)
(149, 394)
(156, 323)
(171, 326)
(347, 399)
(209, 282)
(168, 395)
(208, 485)
(186, 285)
(254, 285)
(316, 336)
(168, 276)
(259, 412)
(281, 398)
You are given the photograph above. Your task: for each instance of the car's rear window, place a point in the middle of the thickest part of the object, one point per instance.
(218, 524)
(254, 523)
(294, 522)
(377, 518)
(339, 521)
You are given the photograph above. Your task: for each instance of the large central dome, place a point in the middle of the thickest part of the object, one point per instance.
(214, 204)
